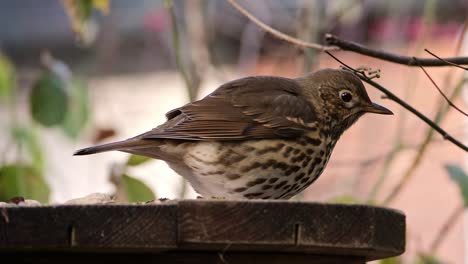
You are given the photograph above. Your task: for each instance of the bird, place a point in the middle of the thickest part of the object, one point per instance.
(257, 137)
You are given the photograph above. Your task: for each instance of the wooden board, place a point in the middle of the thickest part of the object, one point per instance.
(281, 227)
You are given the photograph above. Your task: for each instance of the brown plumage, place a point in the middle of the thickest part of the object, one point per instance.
(237, 140)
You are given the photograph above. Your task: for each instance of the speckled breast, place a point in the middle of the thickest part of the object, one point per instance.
(257, 169)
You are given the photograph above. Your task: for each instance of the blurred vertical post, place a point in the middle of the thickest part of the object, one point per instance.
(192, 56)
(310, 13)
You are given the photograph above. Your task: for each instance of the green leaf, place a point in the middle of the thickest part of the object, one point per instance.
(394, 260)
(345, 199)
(49, 100)
(460, 178)
(7, 78)
(28, 138)
(136, 190)
(428, 259)
(22, 180)
(78, 112)
(85, 8)
(80, 12)
(135, 160)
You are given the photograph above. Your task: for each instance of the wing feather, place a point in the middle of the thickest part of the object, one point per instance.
(248, 108)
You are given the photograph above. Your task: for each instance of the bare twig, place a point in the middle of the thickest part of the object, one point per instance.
(443, 109)
(177, 51)
(383, 55)
(446, 61)
(443, 232)
(442, 93)
(335, 43)
(277, 33)
(408, 107)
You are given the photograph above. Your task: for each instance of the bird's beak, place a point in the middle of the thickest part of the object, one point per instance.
(377, 109)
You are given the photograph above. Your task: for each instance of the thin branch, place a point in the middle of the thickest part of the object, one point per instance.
(442, 93)
(276, 33)
(443, 232)
(422, 151)
(177, 51)
(383, 55)
(446, 61)
(408, 107)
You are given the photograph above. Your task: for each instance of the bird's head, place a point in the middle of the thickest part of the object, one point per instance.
(340, 98)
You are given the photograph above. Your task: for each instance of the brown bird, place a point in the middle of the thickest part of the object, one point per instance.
(259, 137)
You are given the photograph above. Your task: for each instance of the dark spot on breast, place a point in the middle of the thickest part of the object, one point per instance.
(268, 164)
(322, 153)
(252, 195)
(230, 157)
(241, 189)
(296, 151)
(300, 176)
(304, 180)
(255, 182)
(267, 186)
(286, 186)
(310, 151)
(313, 141)
(280, 165)
(301, 142)
(312, 179)
(233, 176)
(287, 151)
(273, 180)
(299, 158)
(279, 185)
(291, 170)
(319, 170)
(317, 161)
(250, 167)
(247, 148)
(276, 148)
(218, 172)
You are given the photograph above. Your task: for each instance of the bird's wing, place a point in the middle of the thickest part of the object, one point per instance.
(248, 108)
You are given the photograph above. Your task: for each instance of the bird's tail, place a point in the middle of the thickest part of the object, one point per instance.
(119, 145)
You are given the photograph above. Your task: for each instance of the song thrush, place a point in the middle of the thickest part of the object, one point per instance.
(259, 137)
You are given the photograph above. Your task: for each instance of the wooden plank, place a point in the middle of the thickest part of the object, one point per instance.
(253, 226)
(292, 226)
(181, 257)
(90, 226)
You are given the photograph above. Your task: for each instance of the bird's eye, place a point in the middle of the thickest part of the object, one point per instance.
(346, 96)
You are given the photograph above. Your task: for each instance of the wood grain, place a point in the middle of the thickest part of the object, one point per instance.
(292, 226)
(274, 230)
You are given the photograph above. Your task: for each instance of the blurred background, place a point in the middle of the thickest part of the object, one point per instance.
(78, 73)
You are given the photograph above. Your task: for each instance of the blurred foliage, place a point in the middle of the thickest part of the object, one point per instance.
(49, 100)
(57, 99)
(79, 13)
(394, 260)
(7, 77)
(459, 176)
(345, 199)
(428, 259)
(78, 112)
(136, 190)
(135, 160)
(129, 188)
(27, 138)
(22, 180)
